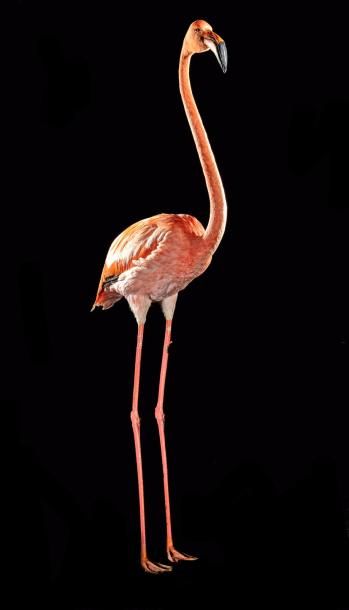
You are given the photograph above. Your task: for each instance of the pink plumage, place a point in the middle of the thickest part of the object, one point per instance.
(155, 257)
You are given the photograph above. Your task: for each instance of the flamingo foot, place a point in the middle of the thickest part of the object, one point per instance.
(154, 568)
(176, 556)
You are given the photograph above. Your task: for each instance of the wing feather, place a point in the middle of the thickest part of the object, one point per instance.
(139, 241)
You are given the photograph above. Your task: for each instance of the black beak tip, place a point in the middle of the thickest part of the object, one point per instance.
(223, 56)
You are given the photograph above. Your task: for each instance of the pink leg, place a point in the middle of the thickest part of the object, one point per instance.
(172, 554)
(147, 565)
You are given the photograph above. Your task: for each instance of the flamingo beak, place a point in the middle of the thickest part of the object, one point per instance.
(217, 45)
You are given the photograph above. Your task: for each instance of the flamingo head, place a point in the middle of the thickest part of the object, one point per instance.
(200, 38)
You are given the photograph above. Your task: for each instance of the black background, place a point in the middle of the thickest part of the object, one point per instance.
(257, 390)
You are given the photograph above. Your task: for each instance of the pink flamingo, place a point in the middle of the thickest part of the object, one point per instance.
(155, 258)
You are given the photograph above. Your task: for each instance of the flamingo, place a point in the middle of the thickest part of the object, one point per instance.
(155, 258)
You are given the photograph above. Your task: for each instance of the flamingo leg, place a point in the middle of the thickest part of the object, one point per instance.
(147, 565)
(172, 554)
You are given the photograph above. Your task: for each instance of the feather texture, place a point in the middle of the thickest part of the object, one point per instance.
(141, 264)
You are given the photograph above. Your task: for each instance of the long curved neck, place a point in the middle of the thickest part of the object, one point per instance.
(218, 206)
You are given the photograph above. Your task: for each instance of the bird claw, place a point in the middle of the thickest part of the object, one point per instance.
(154, 568)
(176, 556)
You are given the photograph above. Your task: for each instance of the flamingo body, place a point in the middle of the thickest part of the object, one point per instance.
(155, 258)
